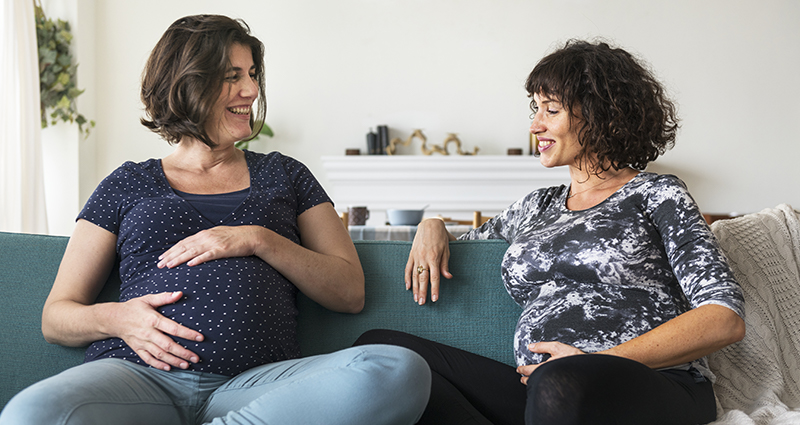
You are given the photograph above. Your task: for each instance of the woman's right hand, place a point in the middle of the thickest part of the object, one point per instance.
(428, 260)
(150, 334)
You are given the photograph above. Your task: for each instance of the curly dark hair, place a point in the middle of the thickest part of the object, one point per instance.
(627, 118)
(184, 76)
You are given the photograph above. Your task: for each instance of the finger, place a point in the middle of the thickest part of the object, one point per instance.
(423, 278)
(169, 326)
(152, 361)
(175, 256)
(408, 275)
(172, 355)
(444, 263)
(435, 279)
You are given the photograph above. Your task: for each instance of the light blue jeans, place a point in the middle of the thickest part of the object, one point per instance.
(371, 384)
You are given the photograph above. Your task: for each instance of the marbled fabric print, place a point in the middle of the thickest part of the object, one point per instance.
(599, 277)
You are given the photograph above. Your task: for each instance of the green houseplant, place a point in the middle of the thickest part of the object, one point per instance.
(57, 73)
(265, 130)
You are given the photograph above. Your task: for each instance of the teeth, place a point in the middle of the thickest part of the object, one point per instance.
(240, 111)
(545, 143)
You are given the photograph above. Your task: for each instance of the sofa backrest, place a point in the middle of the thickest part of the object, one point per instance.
(474, 311)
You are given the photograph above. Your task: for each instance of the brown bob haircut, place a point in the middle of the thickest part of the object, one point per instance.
(626, 118)
(184, 76)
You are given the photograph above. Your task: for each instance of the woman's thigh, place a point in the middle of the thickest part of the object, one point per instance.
(105, 391)
(603, 389)
(466, 386)
(373, 384)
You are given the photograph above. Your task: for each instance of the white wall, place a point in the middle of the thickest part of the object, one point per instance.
(336, 68)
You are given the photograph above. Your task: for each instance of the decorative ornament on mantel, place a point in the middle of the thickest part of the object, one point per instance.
(417, 134)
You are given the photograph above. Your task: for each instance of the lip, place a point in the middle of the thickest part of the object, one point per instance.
(232, 110)
(549, 143)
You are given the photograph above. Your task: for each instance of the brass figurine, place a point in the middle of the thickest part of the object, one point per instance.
(451, 137)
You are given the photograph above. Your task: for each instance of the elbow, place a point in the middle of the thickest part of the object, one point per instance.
(738, 330)
(731, 329)
(357, 306)
(48, 331)
(357, 301)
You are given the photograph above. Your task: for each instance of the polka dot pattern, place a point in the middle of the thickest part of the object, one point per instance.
(245, 309)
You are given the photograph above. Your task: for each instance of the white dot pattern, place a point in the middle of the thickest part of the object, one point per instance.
(245, 309)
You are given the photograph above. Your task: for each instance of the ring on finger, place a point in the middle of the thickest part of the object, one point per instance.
(420, 269)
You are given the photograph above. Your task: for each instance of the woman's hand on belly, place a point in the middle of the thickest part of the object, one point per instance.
(211, 244)
(149, 334)
(556, 350)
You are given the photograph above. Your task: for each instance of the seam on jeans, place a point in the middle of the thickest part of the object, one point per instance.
(361, 353)
(66, 417)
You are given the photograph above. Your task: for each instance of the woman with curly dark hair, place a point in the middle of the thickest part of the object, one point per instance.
(623, 287)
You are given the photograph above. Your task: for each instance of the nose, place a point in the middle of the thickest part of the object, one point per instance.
(537, 126)
(249, 89)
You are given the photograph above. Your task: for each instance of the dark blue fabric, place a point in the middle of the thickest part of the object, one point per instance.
(217, 206)
(245, 309)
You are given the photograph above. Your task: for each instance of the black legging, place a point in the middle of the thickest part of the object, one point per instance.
(592, 389)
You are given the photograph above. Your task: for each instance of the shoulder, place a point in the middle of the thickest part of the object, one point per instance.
(653, 189)
(266, 162)
(131, 174)
(541, 199)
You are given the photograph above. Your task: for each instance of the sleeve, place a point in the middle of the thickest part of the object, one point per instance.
(308, 190)
(694, 253)
(105, 204)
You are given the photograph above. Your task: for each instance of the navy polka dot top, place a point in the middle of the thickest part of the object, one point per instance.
(244, 308)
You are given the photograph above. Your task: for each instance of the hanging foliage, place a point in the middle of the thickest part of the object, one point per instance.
(57, 73)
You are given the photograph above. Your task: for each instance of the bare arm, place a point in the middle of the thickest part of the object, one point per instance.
(690, 336)
(71, 317)
(325, 267)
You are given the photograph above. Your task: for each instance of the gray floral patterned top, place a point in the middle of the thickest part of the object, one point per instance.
(596, 278)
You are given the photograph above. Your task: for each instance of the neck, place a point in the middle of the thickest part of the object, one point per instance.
(598, 185)
(197, 156)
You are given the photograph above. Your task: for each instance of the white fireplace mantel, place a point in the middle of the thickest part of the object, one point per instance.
(453, 186)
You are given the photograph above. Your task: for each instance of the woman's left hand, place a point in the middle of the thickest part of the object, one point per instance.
(556, 350)
(211, 244)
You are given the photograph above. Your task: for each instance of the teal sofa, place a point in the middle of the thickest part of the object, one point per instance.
(758, 382)
(474, 313)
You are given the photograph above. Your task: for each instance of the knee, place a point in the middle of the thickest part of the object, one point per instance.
(401, 374)
(398, 365)
(554, 395)
(37, 404)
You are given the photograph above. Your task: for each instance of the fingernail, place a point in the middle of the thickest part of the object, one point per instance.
(184, 365)
(434, 298)
(193, 359)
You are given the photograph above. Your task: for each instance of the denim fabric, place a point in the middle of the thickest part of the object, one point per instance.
(374, 384)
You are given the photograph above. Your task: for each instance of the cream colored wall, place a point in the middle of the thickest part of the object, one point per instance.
(336, 68)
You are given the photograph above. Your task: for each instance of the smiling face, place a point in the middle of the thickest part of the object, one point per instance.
(230, 121)
(555, 131)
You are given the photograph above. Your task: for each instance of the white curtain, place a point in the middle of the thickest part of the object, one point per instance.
(21, 176)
